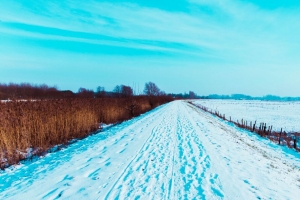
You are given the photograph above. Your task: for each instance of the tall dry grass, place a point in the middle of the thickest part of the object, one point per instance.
(42, 124)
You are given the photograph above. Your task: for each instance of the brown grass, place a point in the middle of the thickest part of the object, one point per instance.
(42, 124)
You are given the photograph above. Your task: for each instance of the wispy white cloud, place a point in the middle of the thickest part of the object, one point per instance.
(221, 34)
(244, 31)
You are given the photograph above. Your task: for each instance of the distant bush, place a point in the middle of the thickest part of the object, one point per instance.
(29, 91)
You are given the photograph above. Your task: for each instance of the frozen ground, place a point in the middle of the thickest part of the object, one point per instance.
(173, 152)
(283, 115)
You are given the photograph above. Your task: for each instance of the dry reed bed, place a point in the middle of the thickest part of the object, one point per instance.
(40, 125)
(282, 138)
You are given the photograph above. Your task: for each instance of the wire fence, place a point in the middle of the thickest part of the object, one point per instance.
(290, 139)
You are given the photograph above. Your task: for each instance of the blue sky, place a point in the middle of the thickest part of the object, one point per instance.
(208, 46)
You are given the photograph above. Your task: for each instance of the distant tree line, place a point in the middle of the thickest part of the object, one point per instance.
(27, 90)
(150, 89)
(247, 97)
(43, 91)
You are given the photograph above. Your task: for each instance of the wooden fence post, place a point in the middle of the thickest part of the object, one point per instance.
(280, 136)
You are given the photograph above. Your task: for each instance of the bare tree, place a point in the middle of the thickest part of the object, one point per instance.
(85, 93)
(126, 91)
(192, 95)
(123, 91)
(117, 90)
(151, 89)
(100, 92)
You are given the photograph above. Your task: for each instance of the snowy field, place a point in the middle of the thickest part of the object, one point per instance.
(176, 151)
(285, 115)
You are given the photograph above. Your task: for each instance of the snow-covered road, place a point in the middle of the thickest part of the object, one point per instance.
(173, 152)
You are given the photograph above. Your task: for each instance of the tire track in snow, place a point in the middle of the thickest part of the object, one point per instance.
(194, 163)
(173, 164)
(248, 166)
(148, 173)
(174, 152)
(90, 162)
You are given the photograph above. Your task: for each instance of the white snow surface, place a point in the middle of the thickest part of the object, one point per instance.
(176, 151)
(279, 114)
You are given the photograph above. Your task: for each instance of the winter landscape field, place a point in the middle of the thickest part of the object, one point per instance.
(279, 114)
(175, 151)
(150, 100)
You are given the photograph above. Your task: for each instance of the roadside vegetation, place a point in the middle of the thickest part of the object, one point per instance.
(33, 121)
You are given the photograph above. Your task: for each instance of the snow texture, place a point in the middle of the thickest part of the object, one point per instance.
(283, 115)
(176, 151)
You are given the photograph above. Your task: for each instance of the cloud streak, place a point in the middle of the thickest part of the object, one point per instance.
(222, 35)
(245, 27)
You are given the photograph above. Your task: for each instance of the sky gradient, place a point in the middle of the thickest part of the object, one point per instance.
(208, 46)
